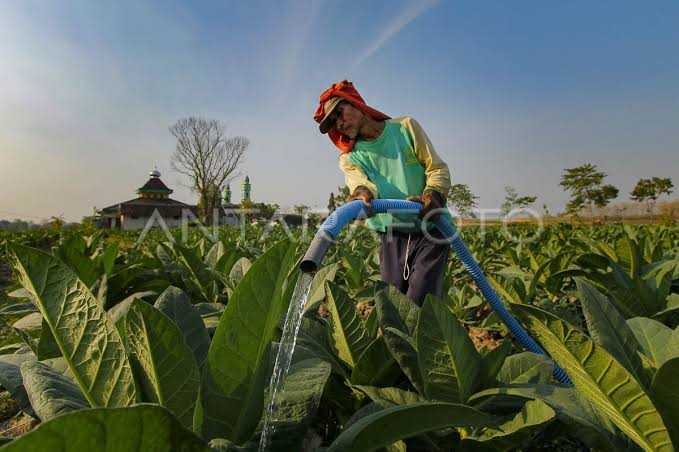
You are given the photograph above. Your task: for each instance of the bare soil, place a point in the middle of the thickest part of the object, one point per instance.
(483, 338)
(17, 425)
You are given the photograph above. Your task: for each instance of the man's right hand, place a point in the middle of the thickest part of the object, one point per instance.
(365, 195)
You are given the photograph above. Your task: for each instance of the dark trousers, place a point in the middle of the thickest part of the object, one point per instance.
(426, 261)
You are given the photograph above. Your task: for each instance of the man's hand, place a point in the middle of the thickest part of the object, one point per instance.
(431, 200)
(365, 195)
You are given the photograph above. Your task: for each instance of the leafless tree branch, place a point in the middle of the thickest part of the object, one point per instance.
(206, 157)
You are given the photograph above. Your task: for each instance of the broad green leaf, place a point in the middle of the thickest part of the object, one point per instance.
(349, 335)
(638, 296)
(72, 253)
(16, 347)
(61, 366)
(653, 337)
(598, 376)
(108, 257)
(29, 342)
(47, 345)
(33, 326)
(396, 310)
(513, 271)
(175, 304)
(353, 266)
(209, 309)
(534, 416)
(313, 336)
(539, 277)
(224, 445)
(19, 293)
(671, 309)
(365, 410)
(86, 337)
(504, 293)
(296, 403)
(398, 446)
(387, 313)
(404, 421)
(402, 348)
(398, 315)
(141, 428)
(30, 323)
(101, 286)
(166, 367)
(584, 421)
(13, 382)
(234, 378)
(239, 269)
(371, 324)
(217, 252)
(50, 392)
(317, 290)
(197, 274)
(665, 394)
(117, 312)
(526, 367)
(492, 362)
(608, 328)
(375, 366)
(21, 308)
(449, 362)
(387, 397)
(672, 350)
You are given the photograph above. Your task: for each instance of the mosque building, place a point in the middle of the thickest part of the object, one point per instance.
(154, 200)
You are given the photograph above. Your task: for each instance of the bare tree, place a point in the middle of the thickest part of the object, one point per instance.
(207, 157)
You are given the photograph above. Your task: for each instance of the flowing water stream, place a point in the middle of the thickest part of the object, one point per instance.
(293, 320)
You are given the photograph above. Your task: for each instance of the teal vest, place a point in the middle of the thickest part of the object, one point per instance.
(390, 163)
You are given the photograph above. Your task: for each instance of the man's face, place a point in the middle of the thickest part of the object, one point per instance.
(349, 119)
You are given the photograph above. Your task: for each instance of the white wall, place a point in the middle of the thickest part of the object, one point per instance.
(131, 224)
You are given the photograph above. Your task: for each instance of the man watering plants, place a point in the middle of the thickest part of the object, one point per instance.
(392, 158)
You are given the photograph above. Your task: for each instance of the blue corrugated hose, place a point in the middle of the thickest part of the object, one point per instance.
(349, 211)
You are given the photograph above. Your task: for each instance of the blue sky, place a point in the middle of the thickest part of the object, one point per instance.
(510, 93)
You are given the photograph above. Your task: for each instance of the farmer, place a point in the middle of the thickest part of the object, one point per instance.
(390, 158)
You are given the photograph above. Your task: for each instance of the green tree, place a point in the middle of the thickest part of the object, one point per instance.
(585, 184)
(266, 211)
(208, 200)
(342, 196)
(546, 211)
(649, 190)
(300, 209)
(56, 223)
(514, 201)
(462, 198)
(331, 203)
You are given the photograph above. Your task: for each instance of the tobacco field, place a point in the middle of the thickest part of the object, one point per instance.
(169, 344)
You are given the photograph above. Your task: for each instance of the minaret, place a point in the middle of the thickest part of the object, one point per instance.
(246, 190)
(226, 195)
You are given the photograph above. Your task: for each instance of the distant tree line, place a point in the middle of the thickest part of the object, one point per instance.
(584, 183)
(18, 225)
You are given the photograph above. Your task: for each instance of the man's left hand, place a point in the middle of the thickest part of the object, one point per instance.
(431, 200)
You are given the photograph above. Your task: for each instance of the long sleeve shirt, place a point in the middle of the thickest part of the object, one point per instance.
(401, 162)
